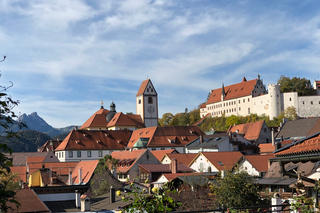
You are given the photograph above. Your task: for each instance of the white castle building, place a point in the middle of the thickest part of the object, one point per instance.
(252, 97)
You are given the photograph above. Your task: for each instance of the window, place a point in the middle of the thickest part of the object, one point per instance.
(248, 110)
(311, 102)
(153, 149)
(289, 99)
(89, 154)
(244, 100)
(100, 153)
(162, 148)
(239, 101)
(150, 100)
(248, 100)
(79, 154)
(62, 154)
(139, 101)
(302, 102)
(239, 108)
(151, 90)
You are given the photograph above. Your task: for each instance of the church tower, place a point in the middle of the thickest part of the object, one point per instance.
(147, 103)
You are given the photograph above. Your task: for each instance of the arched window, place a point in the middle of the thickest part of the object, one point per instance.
(150, 100)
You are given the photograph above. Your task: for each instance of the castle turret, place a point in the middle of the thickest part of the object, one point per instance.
(274, 106)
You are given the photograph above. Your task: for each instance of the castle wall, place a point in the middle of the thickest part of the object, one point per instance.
(308, 106)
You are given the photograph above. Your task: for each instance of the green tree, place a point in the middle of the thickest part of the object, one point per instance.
(290, 113)
(236, 190)
(296, 84)
(166, 119)
(231, 120)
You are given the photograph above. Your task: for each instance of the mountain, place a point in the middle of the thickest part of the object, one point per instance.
(27, 141)
(35, 122)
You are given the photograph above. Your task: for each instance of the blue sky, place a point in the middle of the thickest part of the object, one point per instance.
(65, 57)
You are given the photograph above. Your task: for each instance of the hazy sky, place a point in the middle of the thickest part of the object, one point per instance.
(66, 56)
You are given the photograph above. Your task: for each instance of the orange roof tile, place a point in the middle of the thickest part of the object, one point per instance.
(244, 88)
(35, 159)
(199, 122)
(251, 131)
(221, 160)
(61, 168)
(184, 158)
(87, 168)
(120, 119)
(95, 140)
(158, 136)
(266, 148)
(98, 119)
(260, 162)
(143, 87)
(159, 154)
(305, 146)
(21, 171)
(127, 156)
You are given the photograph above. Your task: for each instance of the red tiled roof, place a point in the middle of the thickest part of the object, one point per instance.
(120, 119)
(47, 147)
(29, 202)
(35, 159)
(159, 154)
(87, 167)
(221, 160)
(21, 171)
(310, 145)
(260, 162)
(143, 86)
(266, 148)
(244, 88)
(95, 140)
(61, 168)
(129, 156)
(201, 120)
(98, 119)
(158, 136)
(251, 131)
(165, 168)
(184, 158)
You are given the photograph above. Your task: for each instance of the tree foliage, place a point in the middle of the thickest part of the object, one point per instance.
(296, 84)
(236, 190)
(180, 119)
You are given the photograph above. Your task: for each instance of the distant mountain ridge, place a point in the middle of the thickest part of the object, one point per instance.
(35, 122)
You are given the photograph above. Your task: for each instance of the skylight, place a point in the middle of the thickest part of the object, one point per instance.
(220, 163)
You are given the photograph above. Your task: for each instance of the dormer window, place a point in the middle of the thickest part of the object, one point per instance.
(171, 141)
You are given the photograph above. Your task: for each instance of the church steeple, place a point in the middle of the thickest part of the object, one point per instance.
(223, 92)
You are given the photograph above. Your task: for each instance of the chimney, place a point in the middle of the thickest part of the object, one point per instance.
(201, 138)
(174, 166)
(77, 199)
(272, 136)
(80, 175)
(70, 177)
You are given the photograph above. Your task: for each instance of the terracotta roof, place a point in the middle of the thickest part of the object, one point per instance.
(250, 131)
(29, 202)
(165, 168)
(305, 146)
(259, 162)
(20, 158)
(221, 160)
(35, 159)
(299, 128)
(61, 168)
(129, 157)
(21, 171)
(266, 148)
(203, 105)
(184, 158)
(46, 147)
(120, 119)
(244, 88)
(87, 167)
(98, 119)
(95, 140)
(199, 122)
(143, 87)
(159, 154)
(166, 136)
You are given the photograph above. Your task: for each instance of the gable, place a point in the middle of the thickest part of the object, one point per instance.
(146, 88)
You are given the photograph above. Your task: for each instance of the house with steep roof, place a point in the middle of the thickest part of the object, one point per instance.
(215, 161)
(184, 158)
(50, 145)
(221, 142)
(83, 172)
(252, 97)
(128, 163)
(159, 154)
(83, 144)
(122, 121)
(164, 137)
(254, 165)
(97, 121)
(256, 132)
(298, 129)
(151, 172)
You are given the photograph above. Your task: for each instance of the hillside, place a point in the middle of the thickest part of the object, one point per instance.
(27, 141)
